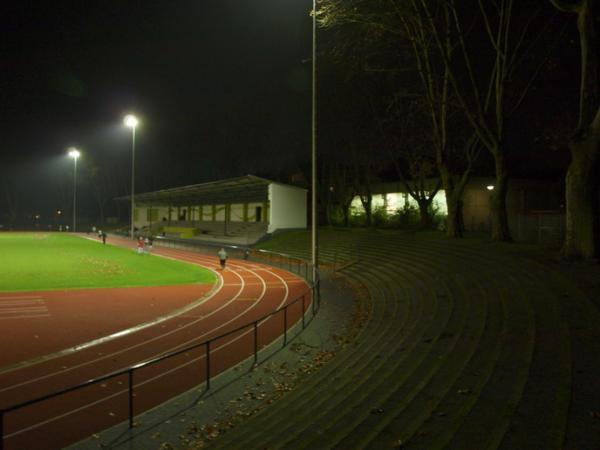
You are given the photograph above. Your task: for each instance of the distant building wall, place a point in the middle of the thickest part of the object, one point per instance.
(236, 212)
(284, 209)
(146, 215)
(534, 207)
(256, 213)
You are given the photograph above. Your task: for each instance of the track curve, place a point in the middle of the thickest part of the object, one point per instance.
(245, 292)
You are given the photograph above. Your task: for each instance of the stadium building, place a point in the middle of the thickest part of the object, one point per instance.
(239, 210)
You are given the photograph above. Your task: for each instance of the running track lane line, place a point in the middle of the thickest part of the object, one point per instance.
(162, 374)
(115, 353)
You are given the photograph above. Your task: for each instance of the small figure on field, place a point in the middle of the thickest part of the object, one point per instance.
(150, 242)
(140, 245)
(103, 234)
(222, 257)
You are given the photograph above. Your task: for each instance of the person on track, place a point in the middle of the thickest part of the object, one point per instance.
(222, 257)
(140, 245)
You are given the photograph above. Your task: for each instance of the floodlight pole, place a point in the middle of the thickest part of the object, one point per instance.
(315, 260)
(75, 154)
(132, 122)
(132, 177)
(74, 194)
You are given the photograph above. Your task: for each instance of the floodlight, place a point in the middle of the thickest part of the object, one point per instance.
(130, 121)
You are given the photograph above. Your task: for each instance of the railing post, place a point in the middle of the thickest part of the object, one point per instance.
(314, 299)
(1, 429)
(303, 305)
(319, 294)
(255, 341)
(285, 325)
(130, 375)
(207, 365)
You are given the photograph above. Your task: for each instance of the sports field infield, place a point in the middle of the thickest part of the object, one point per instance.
(50, 261)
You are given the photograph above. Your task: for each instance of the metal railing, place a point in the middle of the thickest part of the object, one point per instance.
(299, 265)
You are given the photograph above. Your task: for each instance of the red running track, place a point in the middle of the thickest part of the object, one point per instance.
(245, 292)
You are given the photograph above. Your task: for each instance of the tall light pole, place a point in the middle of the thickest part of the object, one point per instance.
(132, 122)
(74, 153)
(315, 260)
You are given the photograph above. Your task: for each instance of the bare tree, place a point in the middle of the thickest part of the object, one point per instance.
(412, 153)
(582, 238)
(405, 26)
(490, 95)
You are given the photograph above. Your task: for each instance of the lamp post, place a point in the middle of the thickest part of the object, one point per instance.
(74, 153)
(315, 260)
(132, 122)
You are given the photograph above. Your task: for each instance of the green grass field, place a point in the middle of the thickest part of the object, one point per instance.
(50, 261)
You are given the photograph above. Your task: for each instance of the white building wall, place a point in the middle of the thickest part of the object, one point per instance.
(236, 212)
(287, 207)
(206, 213)
(220, 216)
(395, 201)
(252, 212)
(142, 216)
(163, 213)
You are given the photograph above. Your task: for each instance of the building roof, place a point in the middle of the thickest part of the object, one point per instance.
(248, 188)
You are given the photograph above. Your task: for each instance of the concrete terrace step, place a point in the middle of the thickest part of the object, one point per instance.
(467, 347)
(349, 356)
(353, 356)
(371, 358)
(449, 338)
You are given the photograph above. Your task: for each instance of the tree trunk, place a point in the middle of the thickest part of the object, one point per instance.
(500, 230)
(367, 201)
(328, 213)
(424, 215)
(582, 192)
(455, 225)
(368, 213)
(346, 212)
(582, 234)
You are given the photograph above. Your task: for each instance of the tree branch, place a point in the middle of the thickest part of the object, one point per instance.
(568, 7)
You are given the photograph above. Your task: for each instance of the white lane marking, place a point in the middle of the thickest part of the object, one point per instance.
(171, 370)
(28, 316)
(126, 349)
(152, 379)
(23, 307)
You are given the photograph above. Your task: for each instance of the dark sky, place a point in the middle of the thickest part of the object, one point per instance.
(222, 88)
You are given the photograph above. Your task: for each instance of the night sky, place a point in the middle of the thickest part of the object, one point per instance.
(222, 88)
